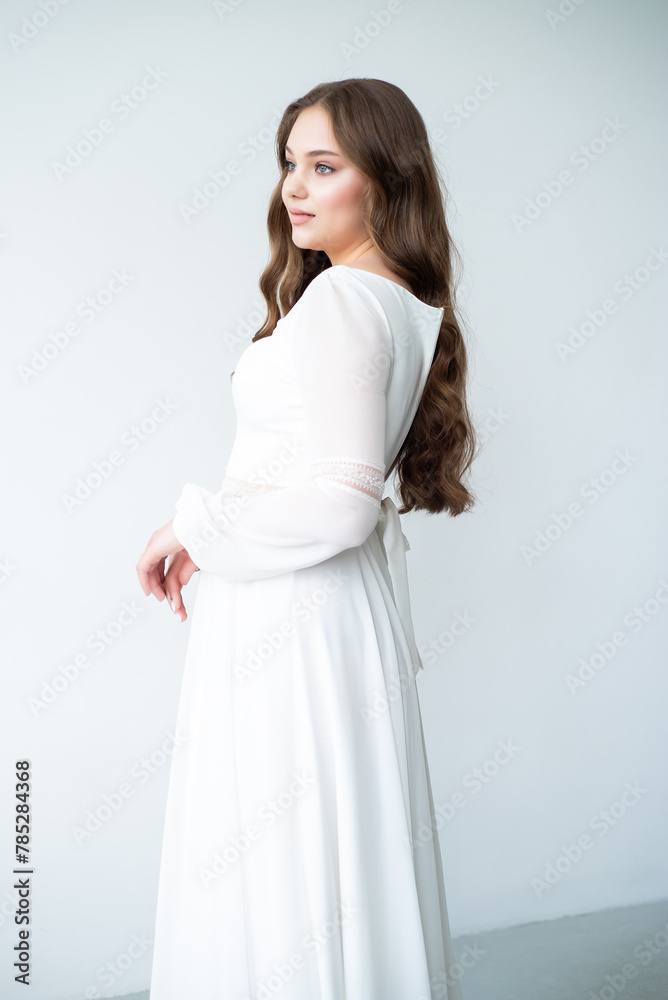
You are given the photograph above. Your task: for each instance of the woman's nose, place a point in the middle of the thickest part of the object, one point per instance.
(294, 183)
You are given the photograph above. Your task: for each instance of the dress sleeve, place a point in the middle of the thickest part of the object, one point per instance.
(342, 355)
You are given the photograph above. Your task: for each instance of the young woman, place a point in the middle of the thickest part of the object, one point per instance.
(300, 856)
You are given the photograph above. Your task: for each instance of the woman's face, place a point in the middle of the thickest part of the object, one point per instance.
(326, 186)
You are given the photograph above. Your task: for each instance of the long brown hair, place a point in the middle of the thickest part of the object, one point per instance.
(379, 129)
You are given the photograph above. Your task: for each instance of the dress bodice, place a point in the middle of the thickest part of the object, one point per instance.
(272, 435)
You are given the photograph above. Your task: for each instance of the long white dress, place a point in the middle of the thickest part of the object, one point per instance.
(300, 857)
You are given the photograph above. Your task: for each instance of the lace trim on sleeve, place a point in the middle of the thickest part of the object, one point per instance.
(362, 477)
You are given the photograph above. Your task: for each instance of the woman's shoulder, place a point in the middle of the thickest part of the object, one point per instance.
(336, 274)
(379, 291)
(340, 282)
(338, 305)
(354, 287)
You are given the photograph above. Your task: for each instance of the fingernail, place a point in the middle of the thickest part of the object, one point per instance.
(172, 604)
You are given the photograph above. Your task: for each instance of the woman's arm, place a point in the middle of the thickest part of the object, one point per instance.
(342, 352)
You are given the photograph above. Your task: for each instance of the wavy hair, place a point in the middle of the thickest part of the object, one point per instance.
(382, 133)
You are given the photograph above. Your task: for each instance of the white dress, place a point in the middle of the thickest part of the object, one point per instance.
(300, 859)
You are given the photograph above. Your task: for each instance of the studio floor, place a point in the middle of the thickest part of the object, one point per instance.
(601, 956)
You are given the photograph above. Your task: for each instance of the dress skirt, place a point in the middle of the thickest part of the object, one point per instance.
(291, 864)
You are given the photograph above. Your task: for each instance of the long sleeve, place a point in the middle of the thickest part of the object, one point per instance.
(342, 355)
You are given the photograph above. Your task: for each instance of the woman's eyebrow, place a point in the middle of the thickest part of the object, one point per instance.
(316, 152)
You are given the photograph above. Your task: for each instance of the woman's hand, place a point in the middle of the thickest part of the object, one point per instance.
(151, 568)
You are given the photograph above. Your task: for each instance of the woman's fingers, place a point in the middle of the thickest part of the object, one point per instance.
(173, 592)
(181, 568)
(151, 566)
(151, 576)
(151, 570)
(176, 604)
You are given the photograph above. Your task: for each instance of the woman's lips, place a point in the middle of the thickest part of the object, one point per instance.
(298, 217)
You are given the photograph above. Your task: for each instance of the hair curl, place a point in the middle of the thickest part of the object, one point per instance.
(379, 129)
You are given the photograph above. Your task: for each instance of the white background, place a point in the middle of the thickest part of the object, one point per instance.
(553, 426)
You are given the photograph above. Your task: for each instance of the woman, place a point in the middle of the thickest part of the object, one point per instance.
(300, 857)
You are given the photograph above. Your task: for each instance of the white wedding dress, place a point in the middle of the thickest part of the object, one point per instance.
(294, 860)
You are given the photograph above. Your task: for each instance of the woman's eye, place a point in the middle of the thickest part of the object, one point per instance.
(289, 163)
